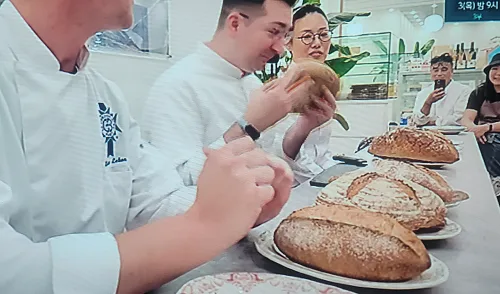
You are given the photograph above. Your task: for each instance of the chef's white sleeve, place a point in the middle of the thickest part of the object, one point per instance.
(158, 190)
(77, 264)
(314, 155)
(172, 122)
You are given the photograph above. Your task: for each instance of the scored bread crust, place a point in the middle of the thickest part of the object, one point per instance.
(415, 173)
(351, 242)
(413, 205)
(414, 145)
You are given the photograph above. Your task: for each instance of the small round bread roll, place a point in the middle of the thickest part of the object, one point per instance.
(322, 75)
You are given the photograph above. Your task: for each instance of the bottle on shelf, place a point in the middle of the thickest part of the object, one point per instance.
(456, 56)
(462, 62)
(471, 63)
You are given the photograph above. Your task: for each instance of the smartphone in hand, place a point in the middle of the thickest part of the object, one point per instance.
(439, 84)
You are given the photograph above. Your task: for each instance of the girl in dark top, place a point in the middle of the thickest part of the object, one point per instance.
(482, 117)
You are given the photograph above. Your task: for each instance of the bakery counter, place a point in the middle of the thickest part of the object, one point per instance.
(472, 256)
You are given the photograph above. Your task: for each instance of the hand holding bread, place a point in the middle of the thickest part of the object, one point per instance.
(239, 187)
(307, 85)
(275, 99)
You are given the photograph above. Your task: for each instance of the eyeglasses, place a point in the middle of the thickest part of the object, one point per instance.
(308, 38)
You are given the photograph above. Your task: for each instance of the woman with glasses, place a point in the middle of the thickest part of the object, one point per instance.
(310, 37)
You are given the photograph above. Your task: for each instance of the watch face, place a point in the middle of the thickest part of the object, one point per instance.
(252, 132)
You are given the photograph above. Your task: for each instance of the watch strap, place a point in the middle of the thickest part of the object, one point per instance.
(248, 129)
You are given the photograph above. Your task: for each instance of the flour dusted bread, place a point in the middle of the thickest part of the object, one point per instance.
(351, 242)
(322, 75)
(413, 205)
(415, 173)
(414, 145)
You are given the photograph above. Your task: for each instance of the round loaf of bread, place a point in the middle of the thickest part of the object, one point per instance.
(414, 206)
(421, 175)
(351, 242)
(414, 145)
(322, 75)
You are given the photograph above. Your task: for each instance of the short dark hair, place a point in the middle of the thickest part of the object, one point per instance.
(228, 5)
(443, 58)
(304, 10)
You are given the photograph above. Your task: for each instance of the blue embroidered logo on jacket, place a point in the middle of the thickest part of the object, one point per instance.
(109, 128)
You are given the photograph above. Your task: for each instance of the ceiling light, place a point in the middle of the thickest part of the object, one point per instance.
(421, 23)
(433, 23)
(434, 5)
(391, 9)
(415, 16)
(413, 12)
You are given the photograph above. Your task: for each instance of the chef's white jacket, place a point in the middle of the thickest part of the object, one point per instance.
(73, 171)
(193, 103)
(447, 111)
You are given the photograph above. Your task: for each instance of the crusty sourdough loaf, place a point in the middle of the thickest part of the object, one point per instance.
(414, 206)
(322, 75)
(351, 242)
(414, 145)
(415, 173)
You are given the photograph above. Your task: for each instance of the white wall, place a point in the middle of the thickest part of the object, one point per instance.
(452, 34)
(135, 75)
(385, 21)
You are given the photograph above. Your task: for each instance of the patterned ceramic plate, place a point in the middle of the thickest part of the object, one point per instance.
(451, 230)
(437, 274)
(255, 283)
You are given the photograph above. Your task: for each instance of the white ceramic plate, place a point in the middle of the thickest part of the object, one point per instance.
(450, 230)
(437, 274)
(446, 130)
(453, 204)
(430, 164)
(255, 283)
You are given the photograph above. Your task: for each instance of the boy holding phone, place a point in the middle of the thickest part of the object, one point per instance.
(443, 103)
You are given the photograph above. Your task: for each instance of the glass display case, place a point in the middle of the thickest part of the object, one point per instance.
(410, 83)
(373, 77)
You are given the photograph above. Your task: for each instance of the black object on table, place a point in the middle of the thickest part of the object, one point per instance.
(322, 179)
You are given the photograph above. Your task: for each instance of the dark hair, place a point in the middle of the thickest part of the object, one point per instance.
(228, 5)
(304, 10)
(445, 58)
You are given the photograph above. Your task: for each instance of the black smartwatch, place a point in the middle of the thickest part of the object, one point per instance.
(249, 129)
(490, 128)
